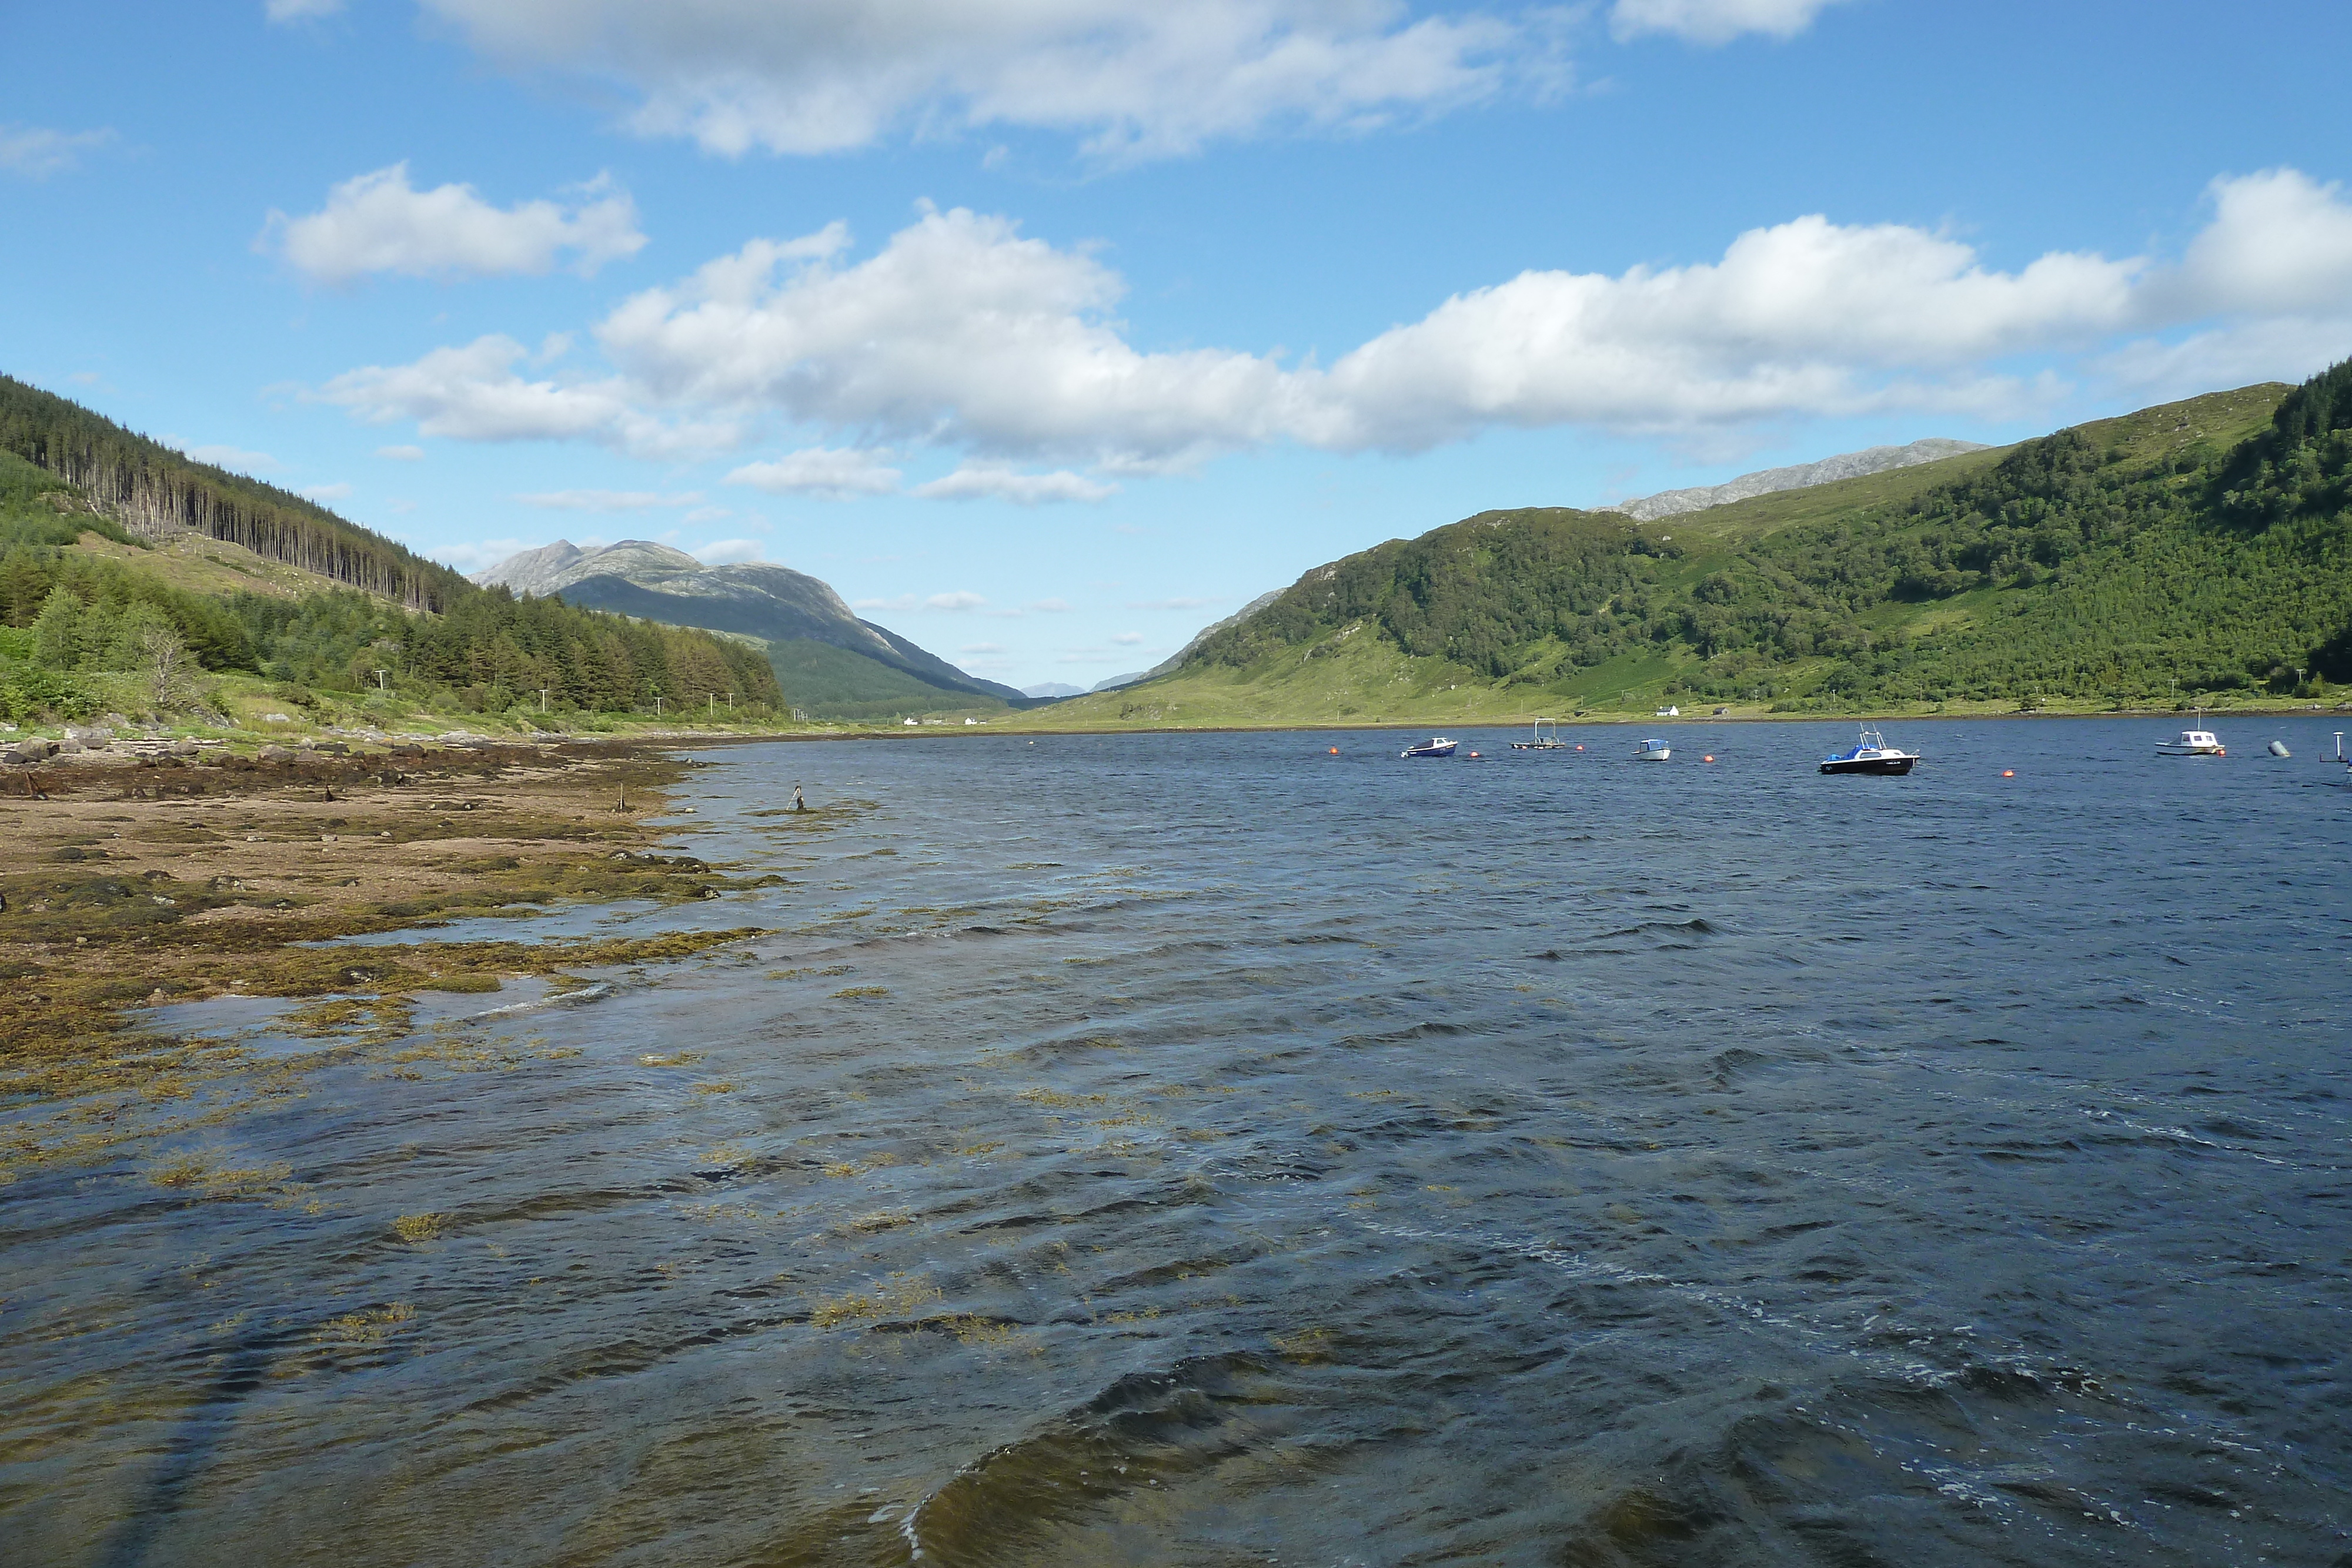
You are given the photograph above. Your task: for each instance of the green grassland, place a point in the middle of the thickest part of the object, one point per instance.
(2200, 552)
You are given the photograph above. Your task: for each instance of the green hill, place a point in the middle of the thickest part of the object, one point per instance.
(2198, 551)
(104, 608)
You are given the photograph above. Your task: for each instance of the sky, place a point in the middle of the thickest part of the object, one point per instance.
(1049, 330)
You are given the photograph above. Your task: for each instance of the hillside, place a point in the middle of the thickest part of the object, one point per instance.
(1802, 476)
(152, 492)
(105, 606)
(2195, 552)
(865, 672)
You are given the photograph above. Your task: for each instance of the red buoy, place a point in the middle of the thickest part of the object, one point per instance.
(2009, 772)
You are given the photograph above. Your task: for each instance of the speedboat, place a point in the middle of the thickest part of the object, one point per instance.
(1435, 745)
(2192, 743)
(1653, 751)
(1541, 741)
(1871, 754)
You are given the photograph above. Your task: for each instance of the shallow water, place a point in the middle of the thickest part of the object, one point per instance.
(1205, 1149)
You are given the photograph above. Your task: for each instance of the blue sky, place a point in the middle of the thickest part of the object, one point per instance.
(1048, 330)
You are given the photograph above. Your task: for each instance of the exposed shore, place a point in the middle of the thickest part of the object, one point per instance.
(137, 883)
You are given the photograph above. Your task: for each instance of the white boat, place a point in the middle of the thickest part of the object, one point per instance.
(1435, 745)
(2197, 742)
(1871, 755)
(1653, 751)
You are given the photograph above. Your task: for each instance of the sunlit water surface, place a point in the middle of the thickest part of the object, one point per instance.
(1206, 1149)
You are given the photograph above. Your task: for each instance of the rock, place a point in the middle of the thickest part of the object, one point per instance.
(70, 747)
(277, 754)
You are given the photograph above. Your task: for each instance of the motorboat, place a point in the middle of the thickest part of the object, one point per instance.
(1539, 741)
(1435, 745)
(1653, 751)
(1871, 754)
(2192, 743)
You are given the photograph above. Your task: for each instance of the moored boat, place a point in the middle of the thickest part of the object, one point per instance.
(1870, 754)
(1435, 745)
(2192, 743)
(1653, 751)
(1539, 741)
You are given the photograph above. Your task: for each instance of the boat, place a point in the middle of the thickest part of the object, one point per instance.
(1539, 741)
(1435, 745)
(2197, 742)
(1872, 754)
(1653, 751)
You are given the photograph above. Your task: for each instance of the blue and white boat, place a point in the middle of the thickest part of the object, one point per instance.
(1871, 754)
(1435, 745)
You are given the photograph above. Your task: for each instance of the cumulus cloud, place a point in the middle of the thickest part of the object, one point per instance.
(825, 76)
(820, 471)
(1006, 484)
(1714, 21)
(379, 222)
(477, 555)
(962, 334)
(36, 153)
(725, 552)
(475, 394)
(607, 500)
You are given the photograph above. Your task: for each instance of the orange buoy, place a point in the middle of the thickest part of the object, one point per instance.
(1335, 751)
(2009, 772)
(1473, 754)
(1709, 758)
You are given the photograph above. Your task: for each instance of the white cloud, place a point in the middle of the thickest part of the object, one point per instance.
(1005, 485)
(1127, 639)
(474, 394)
(723, 553)
(36, 153)
(1714, 21)
(379, 222)
(477, 556)
(709, 515)
(1050, 606)
(323, 494)
(962, 334)
(401, 454)
(820, 471)
(959, 600)
(607, 500)
(1172, 603)
(228, 457)
(825, 76)
(903, 601)
(300, 10)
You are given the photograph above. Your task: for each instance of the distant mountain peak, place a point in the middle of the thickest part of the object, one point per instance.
(1800, 477)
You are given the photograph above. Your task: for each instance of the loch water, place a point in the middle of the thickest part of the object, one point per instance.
(1210, 1149)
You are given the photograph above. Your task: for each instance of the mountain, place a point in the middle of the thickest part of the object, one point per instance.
(2182, 553)
(1115, 682)
(1804, 475)
(1053, 689)
(775, 604)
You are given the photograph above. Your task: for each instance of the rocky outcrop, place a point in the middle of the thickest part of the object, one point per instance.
(1802, 476)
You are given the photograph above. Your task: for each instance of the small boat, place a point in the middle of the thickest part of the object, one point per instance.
(1435, 745)
(1541, 741)
(1653, 751)
(2198, 742)
(1871, 754)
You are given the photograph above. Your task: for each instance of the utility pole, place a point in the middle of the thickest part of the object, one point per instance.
(379, 681)
(542, 699)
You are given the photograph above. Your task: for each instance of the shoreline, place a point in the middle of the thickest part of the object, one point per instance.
(139, 883)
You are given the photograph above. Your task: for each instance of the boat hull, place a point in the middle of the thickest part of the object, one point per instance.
(1873, 766)
(1445, 751)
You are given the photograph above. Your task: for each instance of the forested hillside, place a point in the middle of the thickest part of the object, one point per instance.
(2197, 548)
(148, 489)
(80, 633)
